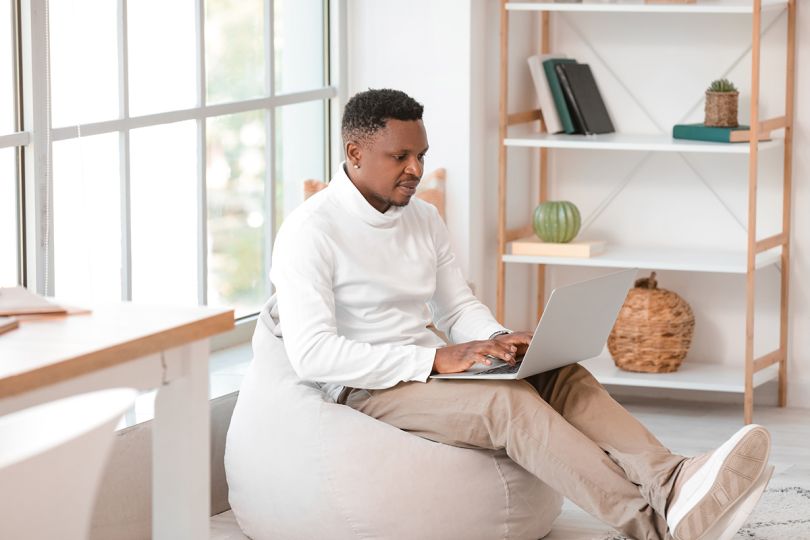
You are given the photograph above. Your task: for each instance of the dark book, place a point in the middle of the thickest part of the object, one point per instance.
(557, 92)
(573, 108)
(584, 98)
(701, 132)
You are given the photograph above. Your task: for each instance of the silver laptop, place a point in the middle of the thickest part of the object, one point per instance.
(575, 326)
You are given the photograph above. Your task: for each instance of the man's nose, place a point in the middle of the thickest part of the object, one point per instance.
(414, 167)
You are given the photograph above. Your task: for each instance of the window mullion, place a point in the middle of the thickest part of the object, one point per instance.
(338, 47)
(202, 195)
(37, 120)
(19, 126)
(123, 146)
(270, 142)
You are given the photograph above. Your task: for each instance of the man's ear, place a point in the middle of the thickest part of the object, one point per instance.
(353, 153)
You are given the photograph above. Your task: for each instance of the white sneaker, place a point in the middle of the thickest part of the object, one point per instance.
(718, 495)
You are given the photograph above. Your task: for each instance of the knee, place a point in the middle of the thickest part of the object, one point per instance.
(574, 371)
(575, 388)
(575, 374)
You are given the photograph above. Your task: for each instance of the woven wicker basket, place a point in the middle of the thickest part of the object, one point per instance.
(653, 331)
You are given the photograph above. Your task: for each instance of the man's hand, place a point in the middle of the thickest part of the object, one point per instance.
(520, 340)
(458, 358)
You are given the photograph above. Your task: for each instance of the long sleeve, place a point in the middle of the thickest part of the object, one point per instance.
(456, 311)
(302, 272)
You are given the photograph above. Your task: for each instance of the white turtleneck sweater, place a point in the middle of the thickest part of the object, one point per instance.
(356, 290)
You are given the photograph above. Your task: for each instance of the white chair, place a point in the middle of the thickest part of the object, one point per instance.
(51, 460)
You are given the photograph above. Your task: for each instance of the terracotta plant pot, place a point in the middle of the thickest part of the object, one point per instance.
(721, 109)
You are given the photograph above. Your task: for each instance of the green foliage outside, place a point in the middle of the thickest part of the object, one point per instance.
(235, 156)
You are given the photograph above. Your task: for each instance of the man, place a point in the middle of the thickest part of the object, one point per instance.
(362, 268)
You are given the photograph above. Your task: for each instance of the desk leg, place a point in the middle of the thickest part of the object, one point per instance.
(181, 474)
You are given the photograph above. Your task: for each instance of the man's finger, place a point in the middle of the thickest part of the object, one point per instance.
(502, 351)
(518, 338)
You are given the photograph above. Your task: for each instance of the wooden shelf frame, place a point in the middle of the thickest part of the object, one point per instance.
(754, 254)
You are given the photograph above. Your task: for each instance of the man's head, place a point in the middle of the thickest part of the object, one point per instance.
(385, 143)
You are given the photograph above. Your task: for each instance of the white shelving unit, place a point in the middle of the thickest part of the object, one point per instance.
(690, 376)
(728, 7)
(655, 258)
(516, 132)
(630, 142)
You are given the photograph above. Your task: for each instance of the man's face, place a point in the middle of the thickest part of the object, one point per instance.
(391, 163)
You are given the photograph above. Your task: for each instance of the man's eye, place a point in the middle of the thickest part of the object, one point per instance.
(399, 157)
(421, 157)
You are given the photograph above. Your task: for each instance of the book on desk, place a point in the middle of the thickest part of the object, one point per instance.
(20, 301)
(8, 323)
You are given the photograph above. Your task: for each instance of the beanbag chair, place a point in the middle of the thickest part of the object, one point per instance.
(300, 466)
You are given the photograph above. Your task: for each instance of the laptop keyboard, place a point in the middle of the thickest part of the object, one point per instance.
(506, 368)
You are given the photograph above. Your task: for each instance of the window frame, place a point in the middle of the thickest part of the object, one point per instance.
(35, 135)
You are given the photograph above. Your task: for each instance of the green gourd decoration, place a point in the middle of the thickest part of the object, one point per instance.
(556, 221)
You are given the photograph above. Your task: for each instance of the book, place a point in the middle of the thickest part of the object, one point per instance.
(701, 132)
(536, 247)
(576, 114)
(20, 301)
(557, 92)
(546, 101)
(584, 99)
(8, 323)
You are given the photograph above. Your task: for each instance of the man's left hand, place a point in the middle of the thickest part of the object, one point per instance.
(518, 339)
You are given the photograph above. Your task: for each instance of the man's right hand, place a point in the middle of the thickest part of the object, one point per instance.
(458, 358)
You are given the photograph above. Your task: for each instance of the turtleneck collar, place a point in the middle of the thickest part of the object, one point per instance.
(350, 197)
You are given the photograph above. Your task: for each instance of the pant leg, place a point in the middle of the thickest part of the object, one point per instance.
(574, 393)
(511, 415)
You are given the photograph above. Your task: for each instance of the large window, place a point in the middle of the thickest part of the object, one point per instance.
(178, 139)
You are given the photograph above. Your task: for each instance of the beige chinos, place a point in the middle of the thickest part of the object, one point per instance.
(562, 426)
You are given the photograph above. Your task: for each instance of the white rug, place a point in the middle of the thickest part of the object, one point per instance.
(783, 512)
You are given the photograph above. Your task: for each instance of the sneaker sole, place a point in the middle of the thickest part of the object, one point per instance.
(735, 518)
(732, 475)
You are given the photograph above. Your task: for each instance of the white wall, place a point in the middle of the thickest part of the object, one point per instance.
(652, 71)
(423, 48)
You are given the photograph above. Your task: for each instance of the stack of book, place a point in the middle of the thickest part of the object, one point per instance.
(569, 99)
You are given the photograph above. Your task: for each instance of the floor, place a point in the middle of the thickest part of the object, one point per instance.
(690, 428)
(685, 427)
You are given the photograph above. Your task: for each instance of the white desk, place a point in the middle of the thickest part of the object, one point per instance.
(140, 347)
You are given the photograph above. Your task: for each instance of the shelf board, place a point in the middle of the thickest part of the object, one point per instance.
(690, 376)
(656, 258)
(638, 6)
(624, 141)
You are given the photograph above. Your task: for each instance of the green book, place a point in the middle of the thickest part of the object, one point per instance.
(557, 91)
(700, 132)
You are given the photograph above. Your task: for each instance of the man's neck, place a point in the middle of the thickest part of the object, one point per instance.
(377, 203)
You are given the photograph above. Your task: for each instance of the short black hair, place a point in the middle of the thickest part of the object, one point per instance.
(367, 112)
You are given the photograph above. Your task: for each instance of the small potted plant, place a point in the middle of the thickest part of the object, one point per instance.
(721, 104)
